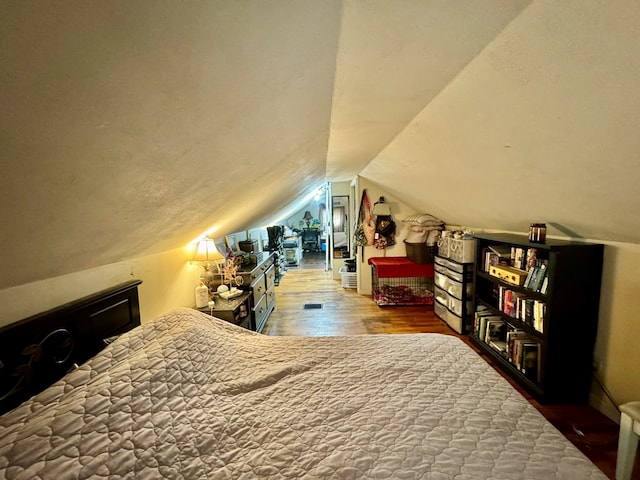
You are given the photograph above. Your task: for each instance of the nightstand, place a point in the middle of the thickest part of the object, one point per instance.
(236, 310)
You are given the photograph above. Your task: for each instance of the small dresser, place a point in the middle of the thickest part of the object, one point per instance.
(234, 310)
(260, 279)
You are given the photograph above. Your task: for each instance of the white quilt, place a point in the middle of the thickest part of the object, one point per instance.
(190, 397)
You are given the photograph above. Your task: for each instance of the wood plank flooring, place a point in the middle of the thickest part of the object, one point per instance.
(344, 312)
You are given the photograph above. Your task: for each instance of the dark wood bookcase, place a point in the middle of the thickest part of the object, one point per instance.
(564, 355)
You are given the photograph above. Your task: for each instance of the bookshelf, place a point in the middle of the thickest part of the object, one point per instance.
(536, 312)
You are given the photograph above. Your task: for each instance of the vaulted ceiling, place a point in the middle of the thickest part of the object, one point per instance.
(130, 128)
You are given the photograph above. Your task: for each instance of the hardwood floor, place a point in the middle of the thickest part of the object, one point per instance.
(344, 312)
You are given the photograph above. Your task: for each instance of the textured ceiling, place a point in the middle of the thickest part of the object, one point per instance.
(129, 128)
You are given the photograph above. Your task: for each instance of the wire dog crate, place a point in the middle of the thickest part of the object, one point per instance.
(399, 281)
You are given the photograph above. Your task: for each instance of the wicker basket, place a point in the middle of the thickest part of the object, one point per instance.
(420, 252)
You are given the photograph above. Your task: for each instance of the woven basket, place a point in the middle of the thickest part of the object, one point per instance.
(420, 252)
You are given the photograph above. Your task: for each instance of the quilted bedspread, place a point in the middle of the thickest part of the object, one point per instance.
(188, 396)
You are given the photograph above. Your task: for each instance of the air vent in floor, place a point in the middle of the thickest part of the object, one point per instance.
(312, 306)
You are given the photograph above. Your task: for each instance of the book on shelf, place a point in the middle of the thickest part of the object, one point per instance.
(539, 311)
(496, 255)
(496, 330)
(545, 284)
(509, 303)
(503, 251)
(542, 274)
(527, 281)
(532, 258)
(518, 257)
(530, 361)
(480, 322)
(515, 337)
(536, 275)
(500, 346)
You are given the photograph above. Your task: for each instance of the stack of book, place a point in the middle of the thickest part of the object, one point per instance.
(515, 345)
(525, 308)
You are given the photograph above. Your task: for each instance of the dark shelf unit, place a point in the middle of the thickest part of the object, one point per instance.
(569, 328)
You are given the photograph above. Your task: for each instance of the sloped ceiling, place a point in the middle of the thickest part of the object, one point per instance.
(130, 128)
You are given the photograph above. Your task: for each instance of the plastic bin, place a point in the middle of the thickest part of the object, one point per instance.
(349, 279)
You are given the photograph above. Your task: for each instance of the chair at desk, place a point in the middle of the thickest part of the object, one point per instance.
(310, 240)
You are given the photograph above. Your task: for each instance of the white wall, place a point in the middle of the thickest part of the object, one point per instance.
(617, 356)
(399, 211)
(168, 281)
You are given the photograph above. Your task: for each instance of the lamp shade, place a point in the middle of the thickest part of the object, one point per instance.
(307, 215)
(206, 251)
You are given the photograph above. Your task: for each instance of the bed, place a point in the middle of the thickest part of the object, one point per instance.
(189, 396)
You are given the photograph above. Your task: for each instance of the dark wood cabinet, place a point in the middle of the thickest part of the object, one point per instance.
(260, 280)
(546, 340)
(37, 351)
(236, 310)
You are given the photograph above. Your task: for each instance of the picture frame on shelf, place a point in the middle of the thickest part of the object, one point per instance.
(232, 243)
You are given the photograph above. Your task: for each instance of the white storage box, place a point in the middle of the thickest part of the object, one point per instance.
(443, 246)
(463, 251)
(349, 279)
(460, 250)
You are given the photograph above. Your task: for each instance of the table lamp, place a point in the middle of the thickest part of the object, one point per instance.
(308, 217)
(207, 254)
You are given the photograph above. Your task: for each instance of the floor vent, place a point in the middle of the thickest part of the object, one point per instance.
(312, 306)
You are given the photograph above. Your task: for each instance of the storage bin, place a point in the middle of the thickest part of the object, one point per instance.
(349, 279)
(443, 247)
(462, 250)
(420, 252)
(248, 246)
(454, 293)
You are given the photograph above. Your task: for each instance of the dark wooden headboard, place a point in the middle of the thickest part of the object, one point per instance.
(37, 351)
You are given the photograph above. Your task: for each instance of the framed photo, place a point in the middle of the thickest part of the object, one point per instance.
(232, 243)
(219, 265)
(221, 245)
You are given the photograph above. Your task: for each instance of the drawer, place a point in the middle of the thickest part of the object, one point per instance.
(260, 311)
(440, 310)
(271, 298)
(450, 302)
(259, 287)
(453, 320)
(454, 266)
(270, 276)
(459, 277)
(440, 280)
(441, 296)
(250, 276)
(453, 287)
(459, 290)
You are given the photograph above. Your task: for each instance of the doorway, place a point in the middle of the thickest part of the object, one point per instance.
(307, 233)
